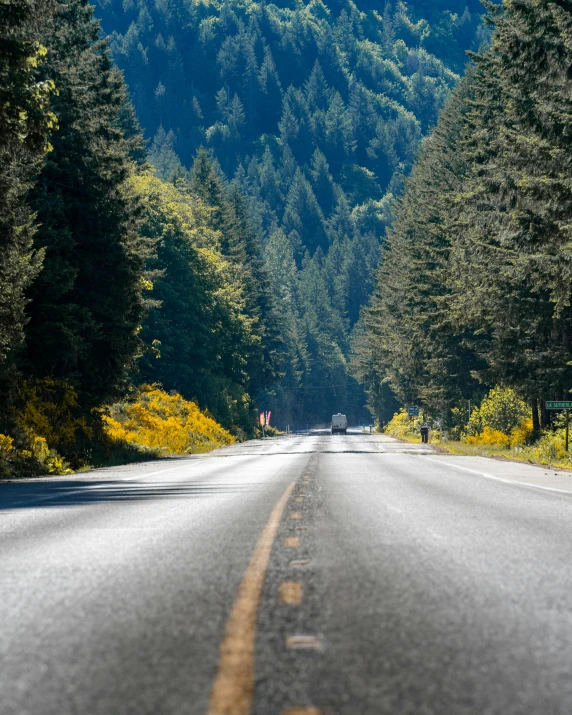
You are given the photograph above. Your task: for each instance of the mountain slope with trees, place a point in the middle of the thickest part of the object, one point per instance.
(315, 112)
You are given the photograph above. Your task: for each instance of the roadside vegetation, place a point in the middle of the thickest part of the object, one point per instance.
(164, 423)
(148, 423)
(474, 288)
(111, 277)
(501, 426)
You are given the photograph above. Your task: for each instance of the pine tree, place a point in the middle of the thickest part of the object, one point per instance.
(164, 157)
(339, 132)
(283, 398)
(86, 305)
(263, 362)
(323, 182)
(271, 94)
(513, 256)
(303, 214)
(414, 348)
(317, 90)
(25, 122)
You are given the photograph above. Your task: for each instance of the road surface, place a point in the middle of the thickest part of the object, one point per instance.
(305, 575)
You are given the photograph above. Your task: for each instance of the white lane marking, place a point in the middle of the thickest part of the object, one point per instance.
(500, 479)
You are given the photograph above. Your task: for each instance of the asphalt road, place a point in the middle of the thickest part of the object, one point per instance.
(308, 574)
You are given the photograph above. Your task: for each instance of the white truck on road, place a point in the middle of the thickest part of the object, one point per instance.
(339, 424)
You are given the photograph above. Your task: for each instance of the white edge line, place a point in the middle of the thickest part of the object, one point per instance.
(103, 486)
(500, 479)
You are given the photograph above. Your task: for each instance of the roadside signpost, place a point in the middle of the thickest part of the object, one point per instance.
(561, 405)
(413, 411)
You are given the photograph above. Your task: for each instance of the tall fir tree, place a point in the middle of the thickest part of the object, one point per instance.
(86, 305)
(513, 261)
(25, 124)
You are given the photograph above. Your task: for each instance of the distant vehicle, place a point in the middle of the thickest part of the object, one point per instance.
(339, 424)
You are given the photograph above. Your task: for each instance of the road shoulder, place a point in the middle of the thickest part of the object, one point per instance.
(516, 473)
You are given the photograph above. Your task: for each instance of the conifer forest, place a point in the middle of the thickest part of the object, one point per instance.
(300, 207)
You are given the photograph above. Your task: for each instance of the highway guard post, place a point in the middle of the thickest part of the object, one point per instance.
(561, 405)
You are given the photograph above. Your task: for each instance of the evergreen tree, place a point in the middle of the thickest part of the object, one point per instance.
(303, 214)
(513, 255)
(316, 109)
(164, 157)
(25, 121)
(323, 182)
(414, 351)
(271, 94)
(86, 304)
(262, 364)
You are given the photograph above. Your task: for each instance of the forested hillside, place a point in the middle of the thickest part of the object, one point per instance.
(314, 113)
(475, 285)
(229, 257)
(108, 275)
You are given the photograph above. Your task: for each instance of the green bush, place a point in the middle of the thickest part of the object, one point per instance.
(502, 410)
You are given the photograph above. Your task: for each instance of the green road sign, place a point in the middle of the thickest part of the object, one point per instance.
(413, 411)
(559, 405)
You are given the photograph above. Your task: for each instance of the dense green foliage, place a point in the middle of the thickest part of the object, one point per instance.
(86, 233)
(84, 307)
(86, 304)
(209, 334)
(475, 284)
(315, 110)
(25, 121)
(233, 273)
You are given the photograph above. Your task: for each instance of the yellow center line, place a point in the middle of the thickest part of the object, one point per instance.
(292, 542)
(234, 685)
(291, 592)
(295, 515)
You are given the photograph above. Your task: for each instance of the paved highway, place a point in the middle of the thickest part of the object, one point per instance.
(305, 575)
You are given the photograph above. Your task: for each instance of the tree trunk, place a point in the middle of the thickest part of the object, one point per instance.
(535, 421)
(544, 413)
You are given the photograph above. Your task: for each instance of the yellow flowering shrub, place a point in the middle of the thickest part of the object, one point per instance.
(502, 410)
(166, 423)
(32, 459)
(489, 436)
(550, 448)
(6, 446)
(49, 408)
(521, 434)
(401, 425)
(44, 422)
